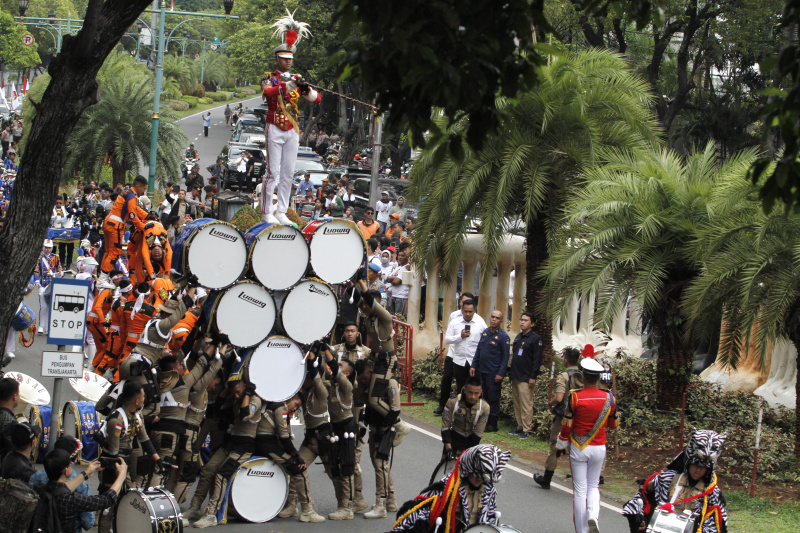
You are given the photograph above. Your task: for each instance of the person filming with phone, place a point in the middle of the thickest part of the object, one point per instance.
(462, 336)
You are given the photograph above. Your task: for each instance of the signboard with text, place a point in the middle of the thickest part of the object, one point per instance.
(62, 364)
(69, 304)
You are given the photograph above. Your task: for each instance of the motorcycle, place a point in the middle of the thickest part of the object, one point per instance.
(188, 164)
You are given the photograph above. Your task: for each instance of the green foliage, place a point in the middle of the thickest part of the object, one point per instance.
(246, 218)
(249, 51)
(178, 105)
(12, 52)
(219, 96)
(205, 100)
(199, 91)
(191, 100)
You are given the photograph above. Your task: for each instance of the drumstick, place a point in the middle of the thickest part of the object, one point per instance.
(438, 524)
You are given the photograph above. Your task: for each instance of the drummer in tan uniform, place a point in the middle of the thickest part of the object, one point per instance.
(341, 377)
(464, 419)
(352, 350)
(123, 433)
(189, 457)
(244, 407)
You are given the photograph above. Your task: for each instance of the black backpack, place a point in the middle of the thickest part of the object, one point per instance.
(45, 518)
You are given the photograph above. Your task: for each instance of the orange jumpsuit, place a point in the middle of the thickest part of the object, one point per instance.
(154, 231)
(125, 208)
(95, 321)
(116, 336)
(134, 326)
(182, 330)
(135, 257)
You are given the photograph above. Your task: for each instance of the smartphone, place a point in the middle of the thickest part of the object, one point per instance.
(466, 328)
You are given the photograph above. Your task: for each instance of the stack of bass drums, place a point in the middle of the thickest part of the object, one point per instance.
(272, 290)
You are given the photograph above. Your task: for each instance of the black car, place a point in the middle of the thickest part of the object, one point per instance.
(230, 155)
(247, 124)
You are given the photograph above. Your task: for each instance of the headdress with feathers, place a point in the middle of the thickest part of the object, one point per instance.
(291, 31)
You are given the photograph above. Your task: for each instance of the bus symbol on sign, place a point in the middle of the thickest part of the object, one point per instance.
(62, 302)
(27, 39)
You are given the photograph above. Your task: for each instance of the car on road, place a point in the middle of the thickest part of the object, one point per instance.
(306, 164)
(248, 123)
(230, 154)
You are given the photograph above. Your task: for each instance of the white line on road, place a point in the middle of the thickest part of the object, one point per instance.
(517, 469)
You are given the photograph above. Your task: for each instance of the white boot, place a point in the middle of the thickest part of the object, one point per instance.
(269, 218)
(378, 510)
(208, 520)
(343, 511)
(309, 514)
(391, 503)
(289, 508)
(193, 513)
(359, 503)
(283, 219)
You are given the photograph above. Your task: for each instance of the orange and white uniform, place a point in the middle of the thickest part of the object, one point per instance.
(154, 233)
(182, 330)
(95, 321)
(125, 209)
(116, 336)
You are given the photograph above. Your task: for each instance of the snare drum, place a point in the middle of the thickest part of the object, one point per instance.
(276, 367)
(79, 419)
(24, 318)
(278, 255)
(663, 521)
(259, 490)
(148, 511)
(491, 528)
(212, 250)
(337, 247)
(90, 386)
(39, 415)
(308, 312)
(244, 312)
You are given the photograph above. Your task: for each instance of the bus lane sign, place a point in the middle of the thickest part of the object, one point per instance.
(69, 305)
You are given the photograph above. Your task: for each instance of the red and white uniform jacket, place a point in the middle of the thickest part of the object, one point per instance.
(274, 87)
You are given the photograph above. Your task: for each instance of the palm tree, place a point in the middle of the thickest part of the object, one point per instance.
(215, 69)
(182, 71)
(630, 232)
(749, 279)
(585, 101)
(118, 128)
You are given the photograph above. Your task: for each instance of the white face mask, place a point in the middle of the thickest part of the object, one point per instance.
(384, 261)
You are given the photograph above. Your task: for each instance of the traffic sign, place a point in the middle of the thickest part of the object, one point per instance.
(214, 46)
(196, 56)
(27, 39)
(69, 304)
(62, 364)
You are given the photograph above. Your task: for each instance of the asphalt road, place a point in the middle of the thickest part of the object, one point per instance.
(522, 504)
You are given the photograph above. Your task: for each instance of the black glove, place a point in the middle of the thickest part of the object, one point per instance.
(250, 389)
(162, 466)
(450, 455)
(304, 88)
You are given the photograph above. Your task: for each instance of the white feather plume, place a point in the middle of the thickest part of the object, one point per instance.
(284, 24)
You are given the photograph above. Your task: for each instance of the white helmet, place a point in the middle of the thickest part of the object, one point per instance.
(48, 243)
(89, 260)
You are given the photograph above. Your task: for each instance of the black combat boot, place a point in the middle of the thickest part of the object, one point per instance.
(544, 481)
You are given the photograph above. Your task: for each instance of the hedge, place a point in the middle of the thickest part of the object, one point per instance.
(178, 105)
(219, 96)
(191, 100)
(205, 100)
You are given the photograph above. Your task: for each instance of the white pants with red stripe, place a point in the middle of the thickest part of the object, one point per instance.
(585, 466)
(281, 156)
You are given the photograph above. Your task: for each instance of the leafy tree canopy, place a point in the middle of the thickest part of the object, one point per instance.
(12, 51)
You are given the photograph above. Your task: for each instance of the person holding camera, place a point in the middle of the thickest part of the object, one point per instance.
(125, 443)
(243, 412)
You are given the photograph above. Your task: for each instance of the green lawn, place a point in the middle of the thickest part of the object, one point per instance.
(202, 107)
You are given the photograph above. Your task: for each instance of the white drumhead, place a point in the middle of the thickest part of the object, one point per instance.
(30, 391)
(134, 512)
(217, 255)
(337, 250)
(309, 311)
(279, 257)
(277, 368)
(259, 490)
(246, 313)
(90, 386)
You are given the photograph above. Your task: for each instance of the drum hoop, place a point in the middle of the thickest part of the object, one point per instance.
(257, 458)
(288, 292)
(223, 291)
(347, 222)
(148, 502)
(265, 231)
(246, 365)
(186, 246)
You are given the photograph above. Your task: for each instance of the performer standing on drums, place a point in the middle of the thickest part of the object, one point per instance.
(96, 319)
(688, 484)
(282, 91)
(469, 491)
(244, 408)
(124, 433)
(189, 458)
(343, 454)
(385, 433)
(125, 209)
(588, 413)
(464, 419)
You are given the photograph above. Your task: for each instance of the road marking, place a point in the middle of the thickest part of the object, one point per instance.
(517, 469)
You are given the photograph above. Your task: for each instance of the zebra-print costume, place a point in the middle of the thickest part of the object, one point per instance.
(487, 462)
(704, 448)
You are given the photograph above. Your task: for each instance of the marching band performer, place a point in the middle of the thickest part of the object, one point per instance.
(282, 91)
(125, 209)
(48, 268)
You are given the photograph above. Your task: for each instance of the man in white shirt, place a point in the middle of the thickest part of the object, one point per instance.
(457, 313)
(463, 335)
(382, 211)
(398, 305)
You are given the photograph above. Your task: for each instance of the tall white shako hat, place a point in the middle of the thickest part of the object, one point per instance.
(290, 32)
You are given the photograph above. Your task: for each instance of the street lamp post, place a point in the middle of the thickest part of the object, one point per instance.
(203, 61)
(23, 8)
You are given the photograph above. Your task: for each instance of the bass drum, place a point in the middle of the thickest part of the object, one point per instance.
(276, 367)
(39, 415)
(148, 511)
(491, 528)
(259, 490)
(309, 311)
(278, 255)
(79, 419)
(212, 250)
(90, 387)
(337, 247)
(244, 312)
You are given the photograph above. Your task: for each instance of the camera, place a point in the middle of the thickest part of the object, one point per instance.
(108, 463)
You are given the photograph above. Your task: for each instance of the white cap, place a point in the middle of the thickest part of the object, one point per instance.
(48, 243)
(590, 366)
(89, 260)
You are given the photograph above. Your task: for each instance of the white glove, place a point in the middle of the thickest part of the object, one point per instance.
(561, 444)
(291, 85)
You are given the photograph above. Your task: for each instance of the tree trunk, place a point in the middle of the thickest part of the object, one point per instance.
(673, 367)
(794, 336)
(118, 173)
(72, 89)
(536, 254)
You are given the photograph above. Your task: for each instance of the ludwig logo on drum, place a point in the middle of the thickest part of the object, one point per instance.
(336, 231)
(260, 473)
(222, 235)
(251, 300)
(138, 506)
(315, 290)
(274, 236)
(273, 344)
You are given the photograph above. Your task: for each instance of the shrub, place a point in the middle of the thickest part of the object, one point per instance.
(246, 218)
(199, 91)
(191, 100)
(205, 100)
(178, 105)
(219, 96)
(246, 90)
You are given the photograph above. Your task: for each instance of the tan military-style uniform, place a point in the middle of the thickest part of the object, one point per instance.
(384, 486)
(463, 425)
(380, 333)
(316, 417)
(340, 406)
(561, 387)
(353, 354)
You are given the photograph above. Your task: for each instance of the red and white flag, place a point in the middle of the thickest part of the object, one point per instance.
(3, 96)
(172, 5)
(24, 85)
(15, 103)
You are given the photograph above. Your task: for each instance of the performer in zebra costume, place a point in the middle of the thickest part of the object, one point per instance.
(688, 484)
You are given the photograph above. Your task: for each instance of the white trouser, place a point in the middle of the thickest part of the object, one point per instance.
(11, 341)
(281, 156)
(585, 466)
(44, 311)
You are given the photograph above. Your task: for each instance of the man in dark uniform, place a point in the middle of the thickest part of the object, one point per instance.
(526, 358)
(569, 380)
(490, 363)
